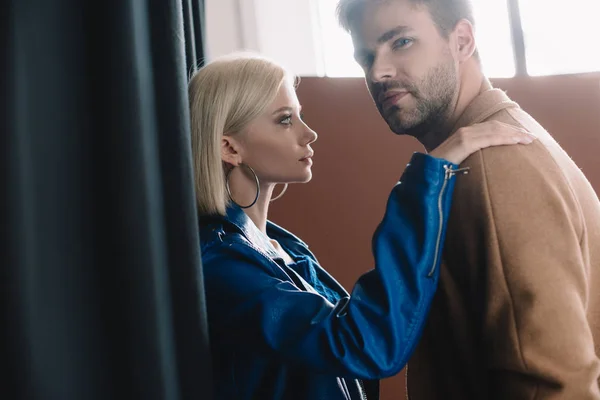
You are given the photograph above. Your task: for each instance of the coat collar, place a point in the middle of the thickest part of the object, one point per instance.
(484, 106)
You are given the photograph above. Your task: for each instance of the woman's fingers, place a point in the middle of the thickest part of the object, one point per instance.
(468, 140)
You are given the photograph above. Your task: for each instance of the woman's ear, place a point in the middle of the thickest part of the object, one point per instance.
(230, 151)
(465, 40)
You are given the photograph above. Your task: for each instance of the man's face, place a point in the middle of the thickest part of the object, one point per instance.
(409, 67)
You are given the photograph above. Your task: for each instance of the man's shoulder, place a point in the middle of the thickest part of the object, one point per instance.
(524, 160)
(517, 172)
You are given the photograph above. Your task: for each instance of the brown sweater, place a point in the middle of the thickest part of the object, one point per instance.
(517, 312)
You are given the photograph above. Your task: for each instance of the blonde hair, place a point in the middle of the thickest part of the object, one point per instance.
(225, 95)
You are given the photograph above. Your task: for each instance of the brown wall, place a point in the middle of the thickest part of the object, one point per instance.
(357, 160)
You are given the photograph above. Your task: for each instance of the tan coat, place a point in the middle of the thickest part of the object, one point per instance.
(517, 313)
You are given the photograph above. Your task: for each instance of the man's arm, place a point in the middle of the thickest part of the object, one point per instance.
(537, 339)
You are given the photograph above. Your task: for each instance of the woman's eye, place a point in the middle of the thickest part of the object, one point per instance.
(287, 120)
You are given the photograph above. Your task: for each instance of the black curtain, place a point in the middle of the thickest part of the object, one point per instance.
(101, 291)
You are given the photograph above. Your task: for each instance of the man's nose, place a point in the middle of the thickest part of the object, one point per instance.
(382, 69)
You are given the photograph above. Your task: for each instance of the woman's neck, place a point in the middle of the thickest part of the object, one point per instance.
(258, 213)
(243, 192)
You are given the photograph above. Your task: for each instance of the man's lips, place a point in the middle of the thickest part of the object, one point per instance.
(389, 99)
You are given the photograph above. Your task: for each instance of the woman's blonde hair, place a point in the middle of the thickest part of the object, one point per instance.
(225, 95)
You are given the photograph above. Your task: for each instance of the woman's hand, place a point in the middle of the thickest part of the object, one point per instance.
(470, 139)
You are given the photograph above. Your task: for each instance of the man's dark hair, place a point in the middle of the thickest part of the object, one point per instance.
(445, 13)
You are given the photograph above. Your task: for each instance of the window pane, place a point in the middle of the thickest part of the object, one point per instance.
(561, 38)
(336, 44)
(492, 32)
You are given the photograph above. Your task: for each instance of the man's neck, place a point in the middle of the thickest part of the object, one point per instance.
(473, 83)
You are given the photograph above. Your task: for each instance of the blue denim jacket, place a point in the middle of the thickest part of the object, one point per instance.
(291, 331)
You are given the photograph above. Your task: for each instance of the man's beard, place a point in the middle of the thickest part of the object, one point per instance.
(434, 96)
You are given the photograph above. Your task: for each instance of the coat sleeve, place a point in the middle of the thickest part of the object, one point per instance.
(372, 333)
(529, 228)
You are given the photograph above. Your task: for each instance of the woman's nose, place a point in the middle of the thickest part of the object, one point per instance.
(311, 136)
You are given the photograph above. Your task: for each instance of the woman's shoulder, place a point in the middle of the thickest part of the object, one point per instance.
(223, 242)
(223, 246)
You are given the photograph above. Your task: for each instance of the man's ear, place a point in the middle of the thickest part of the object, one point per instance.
(464, 32)
(230, 151)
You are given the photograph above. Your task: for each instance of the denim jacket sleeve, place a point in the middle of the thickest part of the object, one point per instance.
(372, 333)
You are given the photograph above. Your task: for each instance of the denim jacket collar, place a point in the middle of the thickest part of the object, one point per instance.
(293, 245)
(238, 218)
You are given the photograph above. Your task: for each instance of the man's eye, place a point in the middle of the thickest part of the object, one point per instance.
(366, 61)
(402, 43)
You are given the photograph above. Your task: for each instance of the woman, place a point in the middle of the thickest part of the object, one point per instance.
(280, 326)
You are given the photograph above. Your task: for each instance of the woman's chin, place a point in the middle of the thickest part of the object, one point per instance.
(304, 179)
(307, 178)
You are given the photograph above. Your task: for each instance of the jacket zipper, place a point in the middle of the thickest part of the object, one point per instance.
(449, 173)
(363, 392)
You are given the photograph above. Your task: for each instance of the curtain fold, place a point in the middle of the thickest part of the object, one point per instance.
(102, 293)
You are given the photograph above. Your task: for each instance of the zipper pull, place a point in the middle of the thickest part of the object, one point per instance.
(451, 172)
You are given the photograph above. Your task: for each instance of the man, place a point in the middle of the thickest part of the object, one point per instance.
(517, 312)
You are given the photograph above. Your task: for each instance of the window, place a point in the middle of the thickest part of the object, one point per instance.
(337, 51)
(493, 36)
(561, 38)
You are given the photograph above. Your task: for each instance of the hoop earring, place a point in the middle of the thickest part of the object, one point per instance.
(229, 190)
(280, 194)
